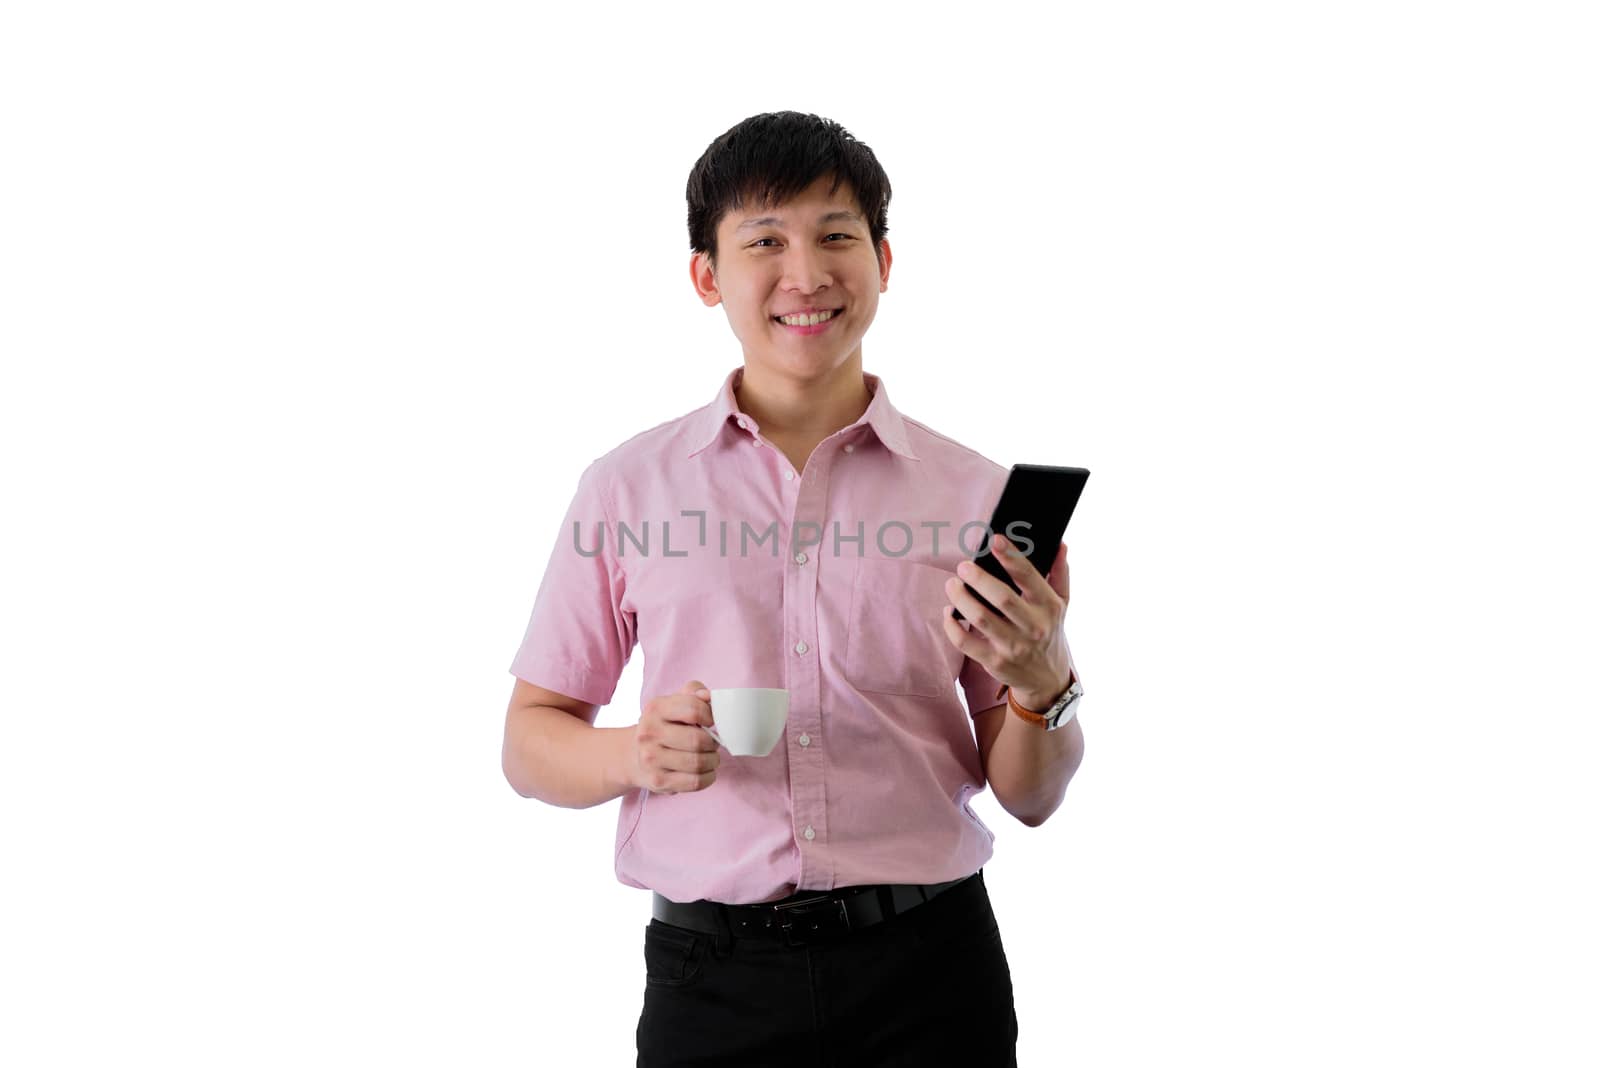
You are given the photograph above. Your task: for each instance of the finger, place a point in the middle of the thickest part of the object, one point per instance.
(959, 636)
(693, 739)
(700, 700)
(693, 750)
(686, 706)
(1019, 568)
(1007, 605)
(982, 619)
(971, 642)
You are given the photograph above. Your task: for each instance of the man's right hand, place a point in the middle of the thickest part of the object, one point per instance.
(671, 753)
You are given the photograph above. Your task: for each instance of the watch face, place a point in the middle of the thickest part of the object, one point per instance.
(1062, 708)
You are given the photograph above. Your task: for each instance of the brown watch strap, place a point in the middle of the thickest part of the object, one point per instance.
(1036, 718)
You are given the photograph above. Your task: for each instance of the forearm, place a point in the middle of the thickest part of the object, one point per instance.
(1029, 767)
(562, 760)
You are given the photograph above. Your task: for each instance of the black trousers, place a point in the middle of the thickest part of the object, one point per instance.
(927, 987)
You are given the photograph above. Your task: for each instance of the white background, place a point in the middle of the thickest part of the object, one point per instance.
(311, 315)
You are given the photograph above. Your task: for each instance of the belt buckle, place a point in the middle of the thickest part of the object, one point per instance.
(812, 905)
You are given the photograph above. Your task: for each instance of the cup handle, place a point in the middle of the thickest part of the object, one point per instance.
(713, 732)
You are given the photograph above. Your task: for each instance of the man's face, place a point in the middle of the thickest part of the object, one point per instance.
(812, 254)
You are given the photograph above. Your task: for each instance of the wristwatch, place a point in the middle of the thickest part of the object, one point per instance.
(1058, 715)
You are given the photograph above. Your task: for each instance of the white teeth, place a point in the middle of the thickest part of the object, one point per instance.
(806, 320)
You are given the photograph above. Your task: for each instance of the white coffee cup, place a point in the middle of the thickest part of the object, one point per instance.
(749, 719)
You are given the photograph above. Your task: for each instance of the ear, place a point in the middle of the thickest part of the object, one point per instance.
(885, 259)
(704, 279)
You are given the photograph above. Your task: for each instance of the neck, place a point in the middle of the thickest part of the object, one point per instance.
(790, 407)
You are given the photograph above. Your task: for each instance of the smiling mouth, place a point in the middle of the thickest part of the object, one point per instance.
(807, 320)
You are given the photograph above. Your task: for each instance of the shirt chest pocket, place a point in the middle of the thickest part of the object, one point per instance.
(896, 642)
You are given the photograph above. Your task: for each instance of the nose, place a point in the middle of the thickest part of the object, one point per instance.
(804, 269)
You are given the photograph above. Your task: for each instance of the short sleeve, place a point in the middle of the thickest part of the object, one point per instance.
(984, 691)
(579, 637)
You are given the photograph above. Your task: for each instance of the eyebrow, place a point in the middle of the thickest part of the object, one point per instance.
(773, 220)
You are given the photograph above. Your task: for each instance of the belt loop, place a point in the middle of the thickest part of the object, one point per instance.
(887, 906)
(724, 935)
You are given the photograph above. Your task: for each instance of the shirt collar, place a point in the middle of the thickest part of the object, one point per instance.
(882, 416)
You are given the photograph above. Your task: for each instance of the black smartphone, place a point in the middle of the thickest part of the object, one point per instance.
(1033, 511)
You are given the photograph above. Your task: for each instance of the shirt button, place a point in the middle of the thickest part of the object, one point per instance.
(849, 448)
(810, 834)
(788, 476)
(756, 442)
(805, 739)
(800, 647)
(741, 424)
(800, 558)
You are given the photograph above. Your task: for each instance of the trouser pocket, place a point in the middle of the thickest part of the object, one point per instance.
(673, 956)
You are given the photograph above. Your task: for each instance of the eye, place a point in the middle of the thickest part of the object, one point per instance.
(847, 237)
(757, 243)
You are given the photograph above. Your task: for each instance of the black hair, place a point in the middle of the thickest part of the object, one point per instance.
(772, 157)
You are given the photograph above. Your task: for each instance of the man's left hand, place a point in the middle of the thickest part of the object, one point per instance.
(1022, 643)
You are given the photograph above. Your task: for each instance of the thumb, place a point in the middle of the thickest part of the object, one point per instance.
(696, 688)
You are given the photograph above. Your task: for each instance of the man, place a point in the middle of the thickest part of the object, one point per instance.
(823, 904)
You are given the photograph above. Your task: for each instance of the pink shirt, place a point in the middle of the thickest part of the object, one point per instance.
(725, 564)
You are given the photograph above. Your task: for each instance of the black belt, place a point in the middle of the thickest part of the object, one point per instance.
(800, 920)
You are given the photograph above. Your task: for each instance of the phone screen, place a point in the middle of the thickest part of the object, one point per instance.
(1033, 511)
